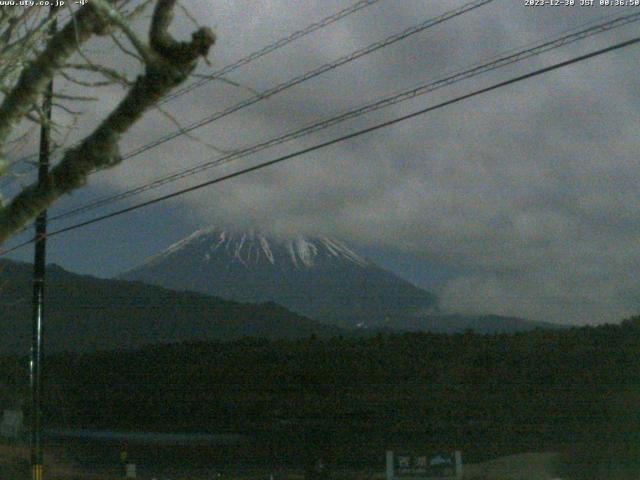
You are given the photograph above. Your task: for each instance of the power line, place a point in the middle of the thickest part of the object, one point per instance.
(334, 141)
(368, 108)
(270, 48)
(310, 74)
(282, 42)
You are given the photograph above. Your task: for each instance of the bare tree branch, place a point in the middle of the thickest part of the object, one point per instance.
(87, 83)
(34, 78)
(106, 72)
(190, 135)
(125, 49)
(106, 9)
(169, 65)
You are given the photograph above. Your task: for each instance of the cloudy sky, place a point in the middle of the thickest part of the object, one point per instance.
(522, 201)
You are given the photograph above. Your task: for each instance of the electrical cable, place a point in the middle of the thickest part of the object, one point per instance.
(431, 22)
(373, 106)
(309, 75)
(270, 48)
(326, 21)
(340, 139)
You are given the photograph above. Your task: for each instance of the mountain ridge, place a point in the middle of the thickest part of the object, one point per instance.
(322, 278)
(300, 250)
(85, 313)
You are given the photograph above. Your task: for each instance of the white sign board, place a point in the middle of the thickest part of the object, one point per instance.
(130, 470)
(403, 465)
(11, 425)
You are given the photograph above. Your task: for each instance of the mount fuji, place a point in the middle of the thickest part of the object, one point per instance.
(321, 278)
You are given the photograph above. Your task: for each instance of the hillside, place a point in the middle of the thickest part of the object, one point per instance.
(571, 391)
(85, 313)
(321, 278)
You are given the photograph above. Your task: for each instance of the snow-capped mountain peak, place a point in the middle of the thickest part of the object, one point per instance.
(320, 277)
(255, 248)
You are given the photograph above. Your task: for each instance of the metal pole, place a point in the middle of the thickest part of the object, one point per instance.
(35, 364)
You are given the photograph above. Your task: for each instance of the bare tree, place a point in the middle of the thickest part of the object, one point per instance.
(30, 57)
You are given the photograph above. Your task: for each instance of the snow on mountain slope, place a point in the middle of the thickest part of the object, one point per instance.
(322, 278)
(251, 249)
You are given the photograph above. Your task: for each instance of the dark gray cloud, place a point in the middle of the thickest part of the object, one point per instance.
(528, 193)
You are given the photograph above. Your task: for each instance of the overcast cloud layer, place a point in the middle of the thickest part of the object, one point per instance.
(527, 196)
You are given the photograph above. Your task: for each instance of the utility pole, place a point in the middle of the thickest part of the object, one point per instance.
(39, 265)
